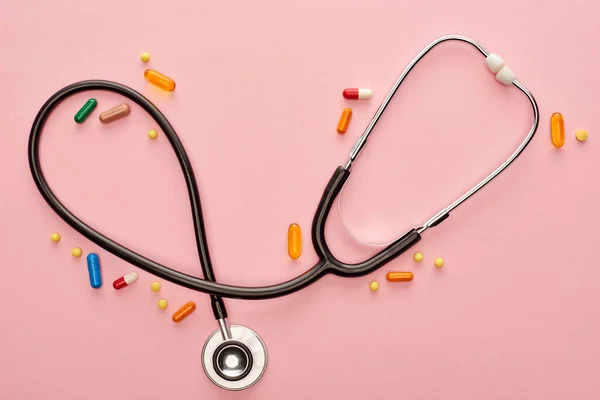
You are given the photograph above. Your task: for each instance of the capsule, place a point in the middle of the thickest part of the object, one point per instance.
(294, 241)
(160, 80)
(85, 111)
(125, 280)
(93, 263)
(115, 113)
(184, 311)
(399, 276)
(357, 94)
(557, 127)
(344, 120)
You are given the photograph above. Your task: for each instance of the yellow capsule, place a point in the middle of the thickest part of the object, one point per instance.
(399, 276)
(557, 128)
(160, 80)
(418, 256)
(115, 113)
(294, 241)
(76, 252)
(344, 120)
(374, 286)
(581, 135)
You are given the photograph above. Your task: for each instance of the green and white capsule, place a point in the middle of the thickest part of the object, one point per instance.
(85, 111)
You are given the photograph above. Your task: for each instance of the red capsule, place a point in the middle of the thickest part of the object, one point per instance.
(357, 94)
(125, 280)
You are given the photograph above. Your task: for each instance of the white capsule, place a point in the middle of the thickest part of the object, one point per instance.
(494, 62)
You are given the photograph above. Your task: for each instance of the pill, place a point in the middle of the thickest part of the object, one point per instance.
(418, 256)
(155, 286)
(399, 276)
(344, 120)
(152, 134)
(125, 280)
(357, 94)
(93, 263)
(581, 135)
(145, 57)
(160, 80)
(184, 311)
(76, 252)
(438, 262)
(85, 111)
(374, 286)
(162, 304)
(557, 127)
(294, 241)
(115, 113)
(55, 237)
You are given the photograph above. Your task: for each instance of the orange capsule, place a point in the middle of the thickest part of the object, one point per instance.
(160, 80)
(399, 276)
(344, 120)
(557, 127)
(294, 241)
(184, 311)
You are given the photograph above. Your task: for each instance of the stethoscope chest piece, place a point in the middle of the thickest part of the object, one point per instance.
(235, 363)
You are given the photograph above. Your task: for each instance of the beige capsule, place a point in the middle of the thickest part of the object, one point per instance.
(115, 113)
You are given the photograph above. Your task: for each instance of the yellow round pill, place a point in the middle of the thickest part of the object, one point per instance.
(162, 304)
(55, 237)
(145, 57)
(418, 256)
(152, 134)
(438, 262)
(155, 286)
(374, 286)
(76, 252)
(581, 135)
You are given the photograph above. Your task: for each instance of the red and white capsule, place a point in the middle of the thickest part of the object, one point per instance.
(357, 94)
(125, 280)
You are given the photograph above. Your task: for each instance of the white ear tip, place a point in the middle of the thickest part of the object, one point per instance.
(494, 62)
(506, 76)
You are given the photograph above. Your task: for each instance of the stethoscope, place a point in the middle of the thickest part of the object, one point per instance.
(234, 357)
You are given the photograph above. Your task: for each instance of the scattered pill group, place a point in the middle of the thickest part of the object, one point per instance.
(160, 80)
(125, 280)
(115, 113)
(93, 263)
(294, 241)
(184, 311)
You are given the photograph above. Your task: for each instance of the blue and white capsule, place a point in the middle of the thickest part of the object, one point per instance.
(93, 263)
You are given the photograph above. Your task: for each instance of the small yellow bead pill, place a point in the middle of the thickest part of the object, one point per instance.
(55, 237)
(438, 262)
(374, 286)
(76, 252)
(581, 135)
(152, 134)
(418, 256)
(162, 304)
(155, 286)
(145, 57)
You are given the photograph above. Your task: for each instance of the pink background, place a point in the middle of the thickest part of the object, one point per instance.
(512, 315)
